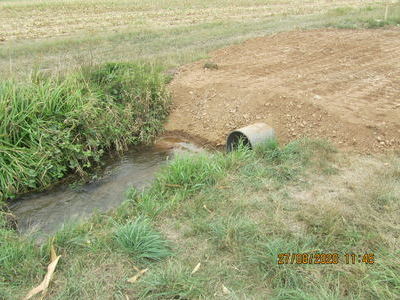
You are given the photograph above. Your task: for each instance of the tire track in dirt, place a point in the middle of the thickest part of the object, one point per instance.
(341, 85)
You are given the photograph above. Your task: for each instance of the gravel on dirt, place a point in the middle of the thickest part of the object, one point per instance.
(340, 85)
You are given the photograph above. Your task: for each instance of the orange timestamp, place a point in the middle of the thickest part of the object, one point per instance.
(325, 258)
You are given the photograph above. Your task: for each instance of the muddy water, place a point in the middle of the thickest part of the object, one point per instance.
(45, 213)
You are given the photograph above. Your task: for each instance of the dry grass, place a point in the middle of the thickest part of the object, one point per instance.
(48, 19)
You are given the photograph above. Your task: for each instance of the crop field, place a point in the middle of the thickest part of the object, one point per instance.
(49, 19)
(59, 35)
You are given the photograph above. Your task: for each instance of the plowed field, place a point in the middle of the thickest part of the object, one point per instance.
(341, 85)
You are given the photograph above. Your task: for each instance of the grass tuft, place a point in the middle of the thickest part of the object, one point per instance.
(141, 241)
(211, 66)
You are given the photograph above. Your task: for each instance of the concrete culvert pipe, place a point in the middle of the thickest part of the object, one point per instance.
(250, 135)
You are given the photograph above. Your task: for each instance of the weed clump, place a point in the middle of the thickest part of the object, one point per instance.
(210, 65)
(186, 175)
(192, 172)
(141, 241)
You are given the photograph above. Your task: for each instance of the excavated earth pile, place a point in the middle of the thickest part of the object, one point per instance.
(340, 85)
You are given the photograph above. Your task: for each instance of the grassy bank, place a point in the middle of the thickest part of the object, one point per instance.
(51, 127)
(171, 34)
(233, 214)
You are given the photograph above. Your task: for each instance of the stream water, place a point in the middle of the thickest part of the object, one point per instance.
(46, 212)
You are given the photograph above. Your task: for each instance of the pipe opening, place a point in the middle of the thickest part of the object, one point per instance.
(234, 140)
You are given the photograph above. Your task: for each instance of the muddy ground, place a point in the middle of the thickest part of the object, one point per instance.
(340, 85)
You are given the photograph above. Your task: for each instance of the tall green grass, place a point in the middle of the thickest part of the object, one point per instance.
(52, 126)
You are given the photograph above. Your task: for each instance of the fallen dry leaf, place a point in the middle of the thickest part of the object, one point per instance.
(206, 208)
(136, 277)
(46, 281)
(221, 187)
(196, 268)
(225, 290)
(136, 269)
(53, 254)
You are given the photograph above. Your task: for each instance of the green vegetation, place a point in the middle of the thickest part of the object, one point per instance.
(140, 241)
(366, 17)
(51, 127)
(21, 261)
(232, 213)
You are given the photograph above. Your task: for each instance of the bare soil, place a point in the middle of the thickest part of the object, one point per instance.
(340, 85)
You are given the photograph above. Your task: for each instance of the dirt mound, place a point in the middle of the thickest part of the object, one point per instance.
(341, 85)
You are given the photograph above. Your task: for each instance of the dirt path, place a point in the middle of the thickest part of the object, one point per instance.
(342, 85)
